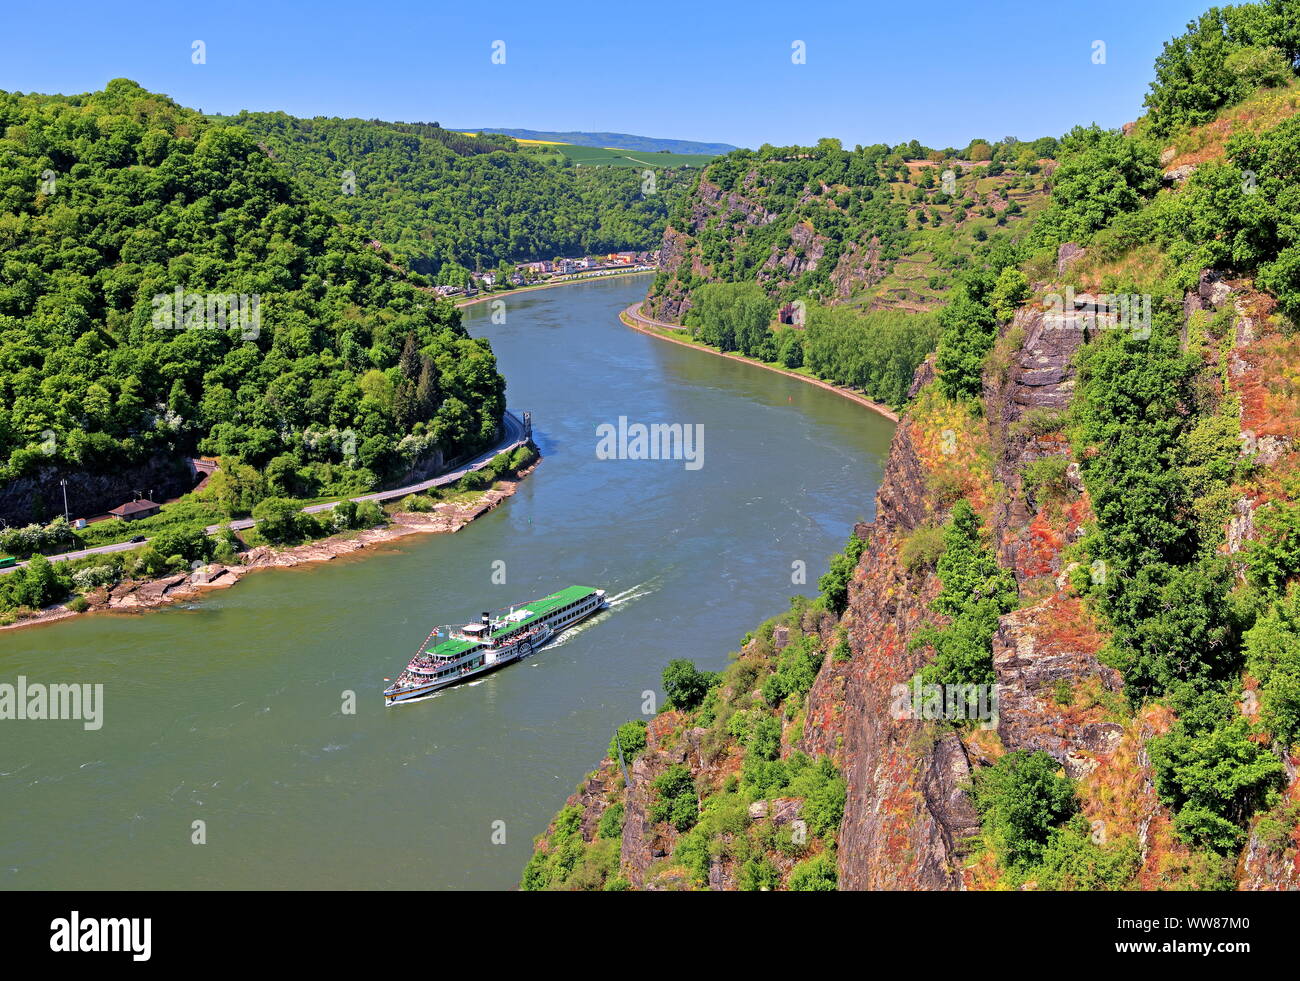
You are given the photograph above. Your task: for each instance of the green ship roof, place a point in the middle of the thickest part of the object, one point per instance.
(537, 609)
(451, 648)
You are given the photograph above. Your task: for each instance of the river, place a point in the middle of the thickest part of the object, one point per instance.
(230, 711)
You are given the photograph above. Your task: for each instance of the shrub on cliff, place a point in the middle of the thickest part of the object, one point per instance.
(1274, 557)
(1021, 799)
(611, 822)
(1211, 770)
(685, 685)
(817, 874)
(976, 592)
(1173, 627)
(1273, 656)
(834, 585)
(676, 801)
(632, 737)
(1073, 860)
(796, 670)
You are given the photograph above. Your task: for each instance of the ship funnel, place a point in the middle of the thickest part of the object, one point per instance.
(487, 618)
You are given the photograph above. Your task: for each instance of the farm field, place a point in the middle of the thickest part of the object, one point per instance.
(590, 156)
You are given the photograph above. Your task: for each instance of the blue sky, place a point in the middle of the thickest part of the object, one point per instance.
(941, 72)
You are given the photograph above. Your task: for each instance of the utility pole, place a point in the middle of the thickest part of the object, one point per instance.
(63, 481)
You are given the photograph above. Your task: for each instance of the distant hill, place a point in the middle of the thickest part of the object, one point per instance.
(446, 203)
(623, 141)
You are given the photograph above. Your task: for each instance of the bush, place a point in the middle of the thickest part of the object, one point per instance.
(834, 585)
(765, 738)
(758, 874)
(93, 577)
(1173, 626)
(416, 504)
(685, 685)
(1274, 557)
(976, 592)
(35, 539)
(1046, 479)
(36, 585)
(796, 670)
(824, 791)
(676, 801)
(817, 874)
(1021, 799)
(279, 520)
(611, 822)
(192, 544)
(632, 736)
(1210, 770)
(1072, 860)
(369, 515)
(1272, 649)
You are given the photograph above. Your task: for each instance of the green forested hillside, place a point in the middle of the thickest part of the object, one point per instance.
(112, 198)
(447, 207)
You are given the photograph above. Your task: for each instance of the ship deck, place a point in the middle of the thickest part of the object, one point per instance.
(537, 610)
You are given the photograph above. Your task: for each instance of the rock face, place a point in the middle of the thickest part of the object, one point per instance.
(1067, 254)
(1039, 379)
(1271, 860)
(907, 816)
(1041, 655)
(856, 264)
(38, 497)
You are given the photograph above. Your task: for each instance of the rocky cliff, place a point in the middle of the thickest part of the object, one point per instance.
(908, 818)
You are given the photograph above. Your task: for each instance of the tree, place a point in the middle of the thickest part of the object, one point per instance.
(1011, 290)
(1101, 174)
(1021, 798)
(817, 874)
(684, 685)
(278, 520)
(1210, 770)
(834, 585)
(1272, 648)
(969, 327)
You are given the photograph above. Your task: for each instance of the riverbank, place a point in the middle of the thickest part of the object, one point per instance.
(546, 286)
(632, 317)
(135, 596)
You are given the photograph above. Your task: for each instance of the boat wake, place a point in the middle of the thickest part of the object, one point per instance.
(615, 602)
